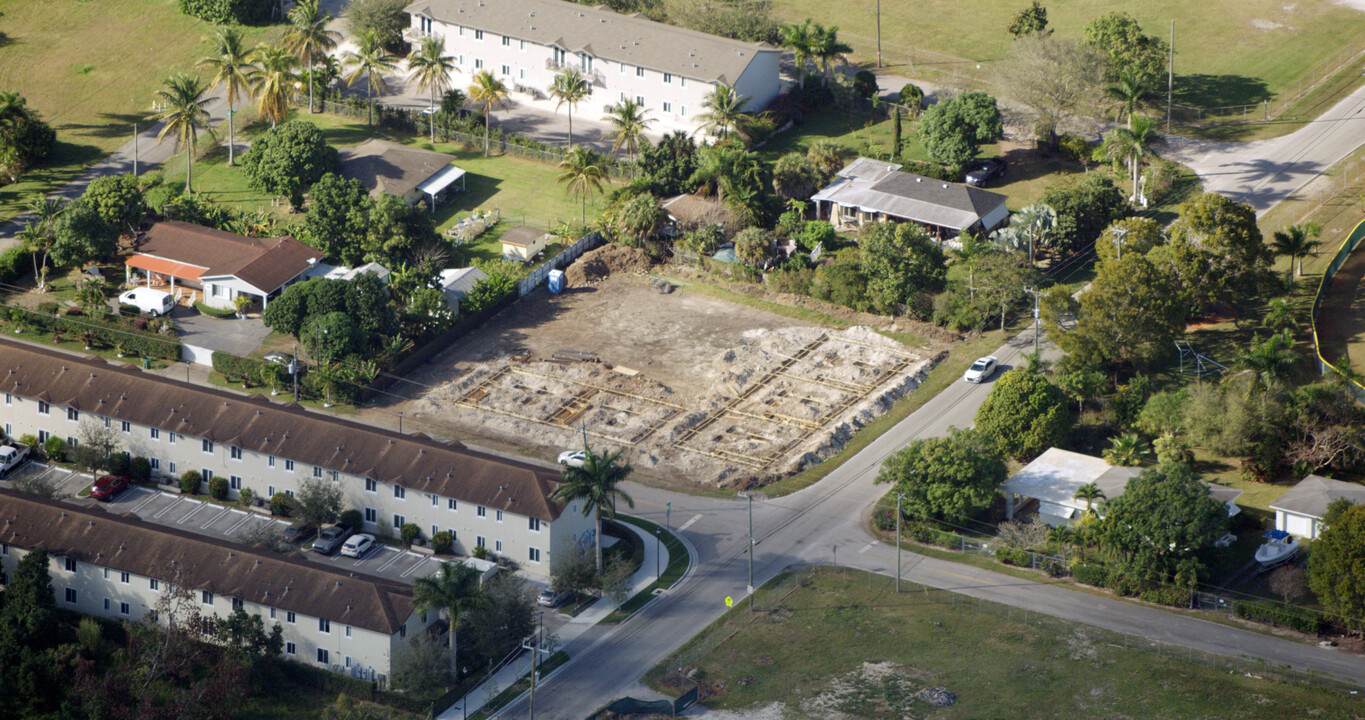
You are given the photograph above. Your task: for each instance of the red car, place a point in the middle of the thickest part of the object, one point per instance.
(108, 486)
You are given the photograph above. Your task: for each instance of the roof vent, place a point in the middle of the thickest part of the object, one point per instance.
(92, 523)
(63, 513)
(92, 375)
(390, 441)
(338, 583)
(258, 412)
(230, 554)
(258, 562)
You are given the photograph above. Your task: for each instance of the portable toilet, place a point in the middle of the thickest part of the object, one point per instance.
(556, 281)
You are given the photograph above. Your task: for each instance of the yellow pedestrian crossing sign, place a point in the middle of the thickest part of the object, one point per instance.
(729, 601)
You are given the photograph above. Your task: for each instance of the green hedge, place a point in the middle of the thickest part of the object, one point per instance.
(1095, 575)
(220, 313)
(234, 368)
(242, 12)
(15, 263)
(1172, 596)
(1010, 556)
(1294, 618)
(107, 332)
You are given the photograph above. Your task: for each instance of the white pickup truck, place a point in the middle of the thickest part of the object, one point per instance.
(12, 455)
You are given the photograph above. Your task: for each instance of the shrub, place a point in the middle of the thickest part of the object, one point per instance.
(218, 488)
(1010, 556)
(409, 532)
(352, 519)
(220, 313)
(443, 543)
(1095, 575)
(281, 505)
(15, 262)
(234, 368)
(1161, 178)
(931, 170)
(246, 496)
(795, 281)
(140, 469)
(242, 12)
(55, 449)
(885, 520)
(1075, 148)
(865, 84)
(912, 97)
(190, 482)
(480, 552)
(1292, 617)
(816, 232)
(1170, 596)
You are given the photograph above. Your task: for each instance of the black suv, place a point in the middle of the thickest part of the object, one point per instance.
(330, 540)
(298, 534)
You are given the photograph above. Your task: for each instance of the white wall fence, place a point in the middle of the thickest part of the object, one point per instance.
(537, 276)
(197, 355)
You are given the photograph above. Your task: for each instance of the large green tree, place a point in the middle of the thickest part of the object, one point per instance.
(369, 61)
(489, 93)
(25, 140)
(904, 267)
(229, 65)
(628, 120)
(1032, 20)
(1085, 208)
(570, 87)
(181, 108)
(582, 173)
(725, 113)
(385, 19)
(308, 38)
(118, 200)
(950, 477)
(1130, 315)
(1130, 235)
(1336, 567)
(1024, 415)
(1129, 52)
(952, 129)
(1164, 518)
(338, 218)
(288, 159)
(1216, 249)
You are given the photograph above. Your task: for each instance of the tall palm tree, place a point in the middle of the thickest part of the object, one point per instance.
(180, 106)
(595, 484)
(1296, 241)
(569, 88)
(308, 37)
(582, 174)
(229, 66)
(724, 112)
(1127, 95)
(629, 121)
(370, 60)
(1133, 145)
(490, 93)
(1125, 450)
(799, 39)
(431, 67)
(273, 81)
(1090, 493)
(453, 589)
(826, 46)
(1271, 361)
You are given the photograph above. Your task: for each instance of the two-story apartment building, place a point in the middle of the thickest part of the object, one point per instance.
(667, 69)
(393, 479)
(125, 569)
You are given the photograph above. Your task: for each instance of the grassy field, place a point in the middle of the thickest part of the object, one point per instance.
(836, 641)
(90, 69)
(1228, 52)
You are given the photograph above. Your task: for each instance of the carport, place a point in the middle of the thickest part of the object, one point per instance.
(436, 184)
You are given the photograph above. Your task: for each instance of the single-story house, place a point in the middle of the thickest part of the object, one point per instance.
(1300, 510)
(524, 243)
(689, 212)
(220, 264)
(868, 191)
(408, 172)
(1054, 477)
(457, 282)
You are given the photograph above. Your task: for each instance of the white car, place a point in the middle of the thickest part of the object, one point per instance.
(572, 458)
(981, 370)
(357, 545)
(152, 302)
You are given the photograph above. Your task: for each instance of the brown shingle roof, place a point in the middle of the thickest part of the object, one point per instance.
(127, 544)
(254, 423)
(388, 167)
(266, 263)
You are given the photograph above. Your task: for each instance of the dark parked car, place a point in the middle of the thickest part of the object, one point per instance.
(985, 171)
(108, 486)
(330, 540)
(298, 534)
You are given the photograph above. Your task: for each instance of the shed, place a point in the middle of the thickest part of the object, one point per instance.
(524, 243)
(1300, 510)
(457, 282)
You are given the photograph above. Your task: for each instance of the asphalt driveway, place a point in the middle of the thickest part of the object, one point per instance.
(238, 337)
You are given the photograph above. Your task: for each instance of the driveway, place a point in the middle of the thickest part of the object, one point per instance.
(235, 336)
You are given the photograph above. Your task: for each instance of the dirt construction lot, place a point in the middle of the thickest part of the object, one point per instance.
(690, 387)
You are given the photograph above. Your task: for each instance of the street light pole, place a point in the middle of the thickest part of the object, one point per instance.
(751, 553)
(400, 422)
(658, 544)
(899, 498)
(879, 34)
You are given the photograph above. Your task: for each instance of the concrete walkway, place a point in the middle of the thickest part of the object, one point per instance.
(655, 552)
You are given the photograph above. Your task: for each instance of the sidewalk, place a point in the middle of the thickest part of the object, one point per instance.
(508, 676)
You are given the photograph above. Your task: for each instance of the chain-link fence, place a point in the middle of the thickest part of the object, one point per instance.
(1340, 306)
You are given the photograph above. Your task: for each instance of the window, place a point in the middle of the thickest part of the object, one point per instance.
(399, 521)
(324, 626)
(424, 23)
(155, 463)
(269, 492)
(668, 79)
(478, 34)
(371, 515)
(371, 485)
(639, 72)
(126, 426)
(640, 100)
(123, 577)
(348, 631)
(153, 584)
(435, 501)
(206, 446)
(317, 471)
(108, 422)
(107, 603)
(400, 492)
(497, 546)
(459, 59)
(218, 290)
(234, 452)
(205, 597)
(560, 56)
(170, 468)
(534, 555)
(289, 617)
(451, 504)
(237, 604)
(506, 69)
(348, 661)
(44, 408)
(71, 442)
(521, 73)
(682, 110)
(291, 649)
(506, 41)
(4, 548)
(479, 541)
(71, 595)
(334, 475)
(481, 511)
(9, 399)
(478, 63)
(289, 465)
(289, 492)
(533, 524)
(234, 482)
(587, 64)
(207, 473)
(402, 631)
(70, 564)
(272, 613)
(453, 536)
(106, 573)
(624, 67)
(270, 461)
(171, 438)
(523, 49)
(682, 82)
(668, 107)
(156, 434)
(499, 516)
(124, 609)
(43, 435)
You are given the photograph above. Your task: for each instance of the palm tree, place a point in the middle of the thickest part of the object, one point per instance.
(583, 174)
(273, 81)
(970, 249)
(308, 37)
(370, 60)
(453, 589)
(1133, 145)
(229, 66)
(1127, 95)
(489, 92)
(570, 87)
(1280, 315)
(798, 39)
(431, 67)
(826, 46)
(1296, 241)
(1125, 450)
(180, 107)
(1271, 361)
(1090, 493)
(629, 122)
(724, 112)
(595, 484)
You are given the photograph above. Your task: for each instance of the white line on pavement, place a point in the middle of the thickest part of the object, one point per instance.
(151, 495)
(414, 568)
(213, 519)
(397, 555)
(191, 513)
(868, 546)
(246, 517)
(688, 524)
(167, 509)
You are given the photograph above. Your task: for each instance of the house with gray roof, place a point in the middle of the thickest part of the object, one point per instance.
(868, 191)
(667, 69)
(1300, 510)
(413, 174)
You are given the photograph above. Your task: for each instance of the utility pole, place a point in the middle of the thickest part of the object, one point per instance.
(879, 34)
(1034, 292)
(536, 647)
(658, 549)
(134, 149)
(751, 552)
(899, 498)
(668, 512)
(294, 370)
(1170, 77)
(1119, 234)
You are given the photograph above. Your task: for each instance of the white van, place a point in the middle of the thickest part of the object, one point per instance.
(152, 302)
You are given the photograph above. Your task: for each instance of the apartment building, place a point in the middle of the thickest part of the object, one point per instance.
(393, 479)
(669, 70)
(122, 568)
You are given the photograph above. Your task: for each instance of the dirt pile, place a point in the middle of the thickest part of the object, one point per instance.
(596, 265)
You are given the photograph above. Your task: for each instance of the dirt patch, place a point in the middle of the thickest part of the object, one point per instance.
(596, 265)
(882, 689)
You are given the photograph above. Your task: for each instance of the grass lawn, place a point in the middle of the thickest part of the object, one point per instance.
(90, 69)
(836, 641)
(1227, 52)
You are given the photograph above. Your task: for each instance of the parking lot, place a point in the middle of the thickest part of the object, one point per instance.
(65, 483)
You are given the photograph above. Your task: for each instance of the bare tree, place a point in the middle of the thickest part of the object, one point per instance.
(1023, 535)
(1289, 582)
(319, 502)
(422, 667)
(616, 580)
(1055, 77)
(98, 443)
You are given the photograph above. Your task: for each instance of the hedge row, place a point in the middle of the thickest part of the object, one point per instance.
(1171, 596)
(1095, 575)
(1294, 618)
(111, 333)
(220, 313)
(1010, 556)
(15, 263)
(242, 12)
(235, 368)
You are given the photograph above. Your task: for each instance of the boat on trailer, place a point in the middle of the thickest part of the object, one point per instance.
(1278, 548)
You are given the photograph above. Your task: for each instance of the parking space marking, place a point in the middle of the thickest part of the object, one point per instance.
(151, 495)
(214, 519)
(246, 518)
(167, 509)
(414, 568)
(191, 513)
(397, 555)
